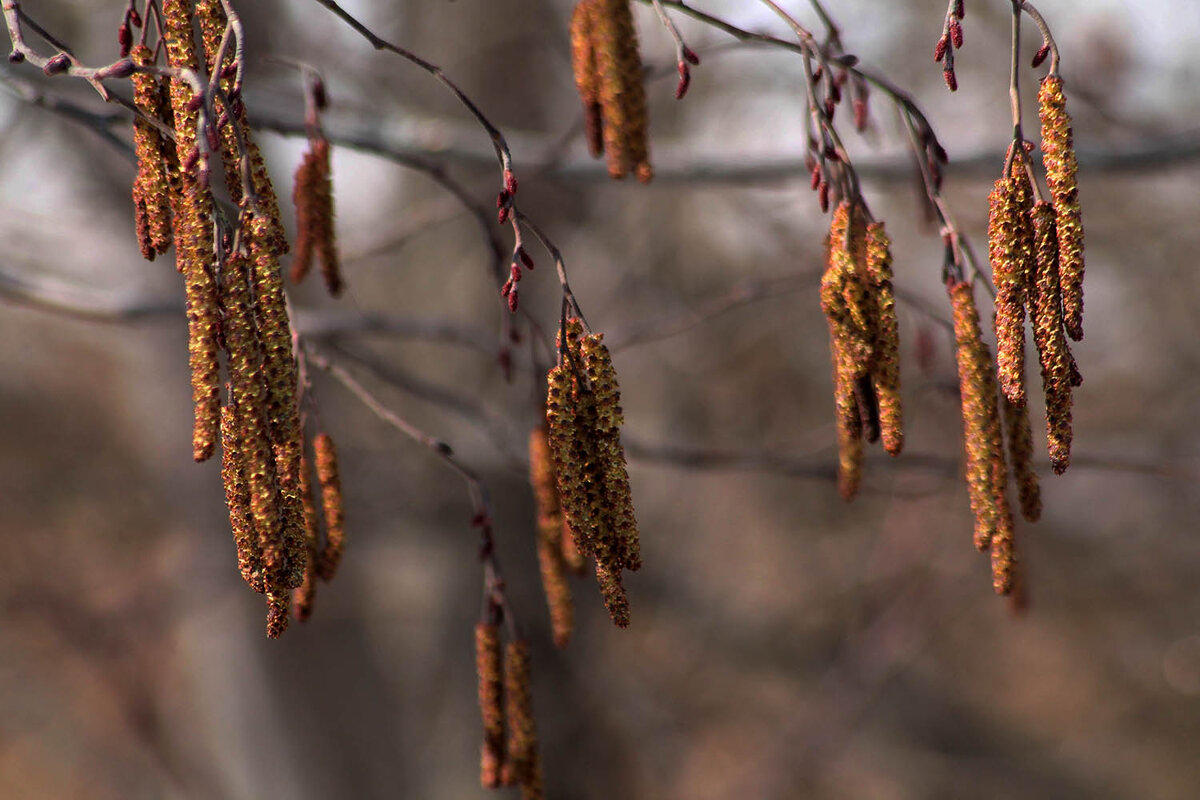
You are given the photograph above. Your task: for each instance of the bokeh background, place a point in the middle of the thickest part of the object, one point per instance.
(784, 643)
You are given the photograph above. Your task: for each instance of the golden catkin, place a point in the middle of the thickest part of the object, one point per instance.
(886, 372)
(1003, 542)
(521, 764)
(1010, 251)
(622, 95)
(621, 521)
(1058, 155)
(152, 187)
(328, 475)
(237, 498)
(315, 235)
(1020, 454)
(490, 672)
(568, 467)
(981, 421)
(194, 237)
(587, 79)
(1053, 350)
(279, 606)
(306, 593)
(845, 299)
(550, 534)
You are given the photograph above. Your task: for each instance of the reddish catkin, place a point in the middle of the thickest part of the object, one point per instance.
(1020, 454)
(1010, 251)
(550, 533)
(315, 234)
(886, 372)
(329, 477)
(981, 421)
(1058, 155)
(489, 669)
(1053, 351)
(587, 79)
(622, 95)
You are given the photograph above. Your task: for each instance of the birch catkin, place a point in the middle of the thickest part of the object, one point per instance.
(618, 81)
(1053, 351)
(550, 534)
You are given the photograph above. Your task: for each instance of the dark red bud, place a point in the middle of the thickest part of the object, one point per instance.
(951, 80)
(526, 259)
(507, 288)
(510, 182)
(1040, 55)
(939, 51)
(956, 34)
(122, 69)
(229, 71)
(512, 301)
(57, 64)
(125, 39)
(195, 102)
(690, 56)
(816, 177)
(685, 80)
(860, 114)
(823, 196)
(135, 19)
(514, 273)
(502, 215)
(16, 57)
(960, 10)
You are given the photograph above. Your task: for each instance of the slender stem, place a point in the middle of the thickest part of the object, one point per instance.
(1044, 29)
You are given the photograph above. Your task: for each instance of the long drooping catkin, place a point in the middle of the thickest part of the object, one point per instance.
(329, 477)
(587, 79)
(305, 595)
(1058, 155)
(522, 764)
(1053, 350)
(849, 424)
(237, 498)
(490, 671)
(1010, 251)
(550, 534)
(622, 96)
(193, 236)
(981, 421)
(886, 372)
(152, 187)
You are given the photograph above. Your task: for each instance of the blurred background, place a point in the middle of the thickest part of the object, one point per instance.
(784, 643)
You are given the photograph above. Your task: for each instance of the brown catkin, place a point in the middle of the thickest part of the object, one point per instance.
(1053, 350)
(550, 533)
(1058, 155)
(886, 372)
(306, 593)
(328, 475)
(193, 237)
(849, 425)
(521, 765)
(587, 79)
(845, 299)
(1010, 251)
(315, 235)
(152, 187)
(1020, 454)
(981, 421)
(489, 669)
(279, 605)
(575, 560)
(622, 95)
(1003, 544)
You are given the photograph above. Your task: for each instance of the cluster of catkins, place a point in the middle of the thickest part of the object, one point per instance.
(860, 306)
(587, 460)
(236, 308)
(1036, 251)
(510, 753)
(608, 74)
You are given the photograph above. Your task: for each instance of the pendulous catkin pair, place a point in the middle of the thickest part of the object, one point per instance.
(510, 753)
(608, 75)
(584, 416)
(860, 306)
(315, 235)
(235, 304)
